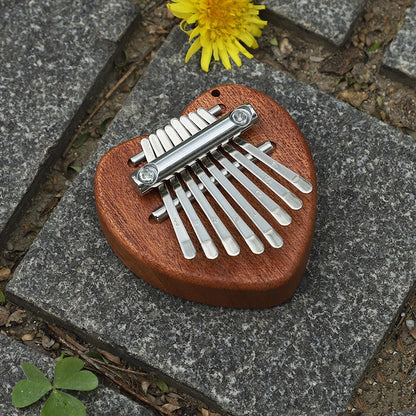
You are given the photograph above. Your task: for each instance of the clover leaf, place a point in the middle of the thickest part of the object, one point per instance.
(63, 404)
(68, 376)
(31, 390)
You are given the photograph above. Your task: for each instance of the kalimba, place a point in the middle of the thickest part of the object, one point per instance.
(218, 205)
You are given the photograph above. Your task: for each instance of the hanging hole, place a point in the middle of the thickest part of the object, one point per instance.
(215, 93)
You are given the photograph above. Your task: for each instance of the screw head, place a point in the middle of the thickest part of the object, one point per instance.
(148, 174)
(241, 117)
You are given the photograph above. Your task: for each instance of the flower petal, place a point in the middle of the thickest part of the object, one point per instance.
(206, 57)
(195, 47)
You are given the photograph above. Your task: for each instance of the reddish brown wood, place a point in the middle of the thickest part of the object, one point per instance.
(151, 250)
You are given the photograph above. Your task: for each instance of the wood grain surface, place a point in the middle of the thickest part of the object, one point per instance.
(151, 250)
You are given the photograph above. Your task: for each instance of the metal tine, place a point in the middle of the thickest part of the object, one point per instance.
(278, 213)
(204, 238)
(251, 239)
(140, 157)
(274, 239)
(159, 214)
(227, 240)
(288, 197)
(182, 235)
(296, 180)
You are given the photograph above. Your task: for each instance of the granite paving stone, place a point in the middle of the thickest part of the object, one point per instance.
(401, 54)
(301, 358)
(330, 19)
(52, 54)
(100, 402)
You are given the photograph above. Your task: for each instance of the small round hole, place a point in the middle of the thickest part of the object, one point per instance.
(215, 93)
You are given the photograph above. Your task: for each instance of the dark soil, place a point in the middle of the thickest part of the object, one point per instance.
(351, 74)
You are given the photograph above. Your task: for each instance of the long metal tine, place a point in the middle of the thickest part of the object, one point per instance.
(224, 235)
(254, 243)
(287, 196)
(296, 180)
(265, 228)
(162, 143)
(279, 214)
(182, 235)
(159, 214)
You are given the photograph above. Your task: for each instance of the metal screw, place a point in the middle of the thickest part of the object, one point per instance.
(241, 117)
(147, 174)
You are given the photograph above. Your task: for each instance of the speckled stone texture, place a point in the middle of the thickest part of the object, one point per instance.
(51, 55)
(100, 402)
(300, 358)
(401, 54)
(330, 19)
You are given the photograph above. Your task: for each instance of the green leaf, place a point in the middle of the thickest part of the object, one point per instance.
(68, 375)
(379, 101)
(82, 139)
(95, 354)
(103, 126)
(63, 404)
(2, 297)
(75, 168)
(163, 387)
(124, 61)
(374, 47)
(29, 391)
(273, 42)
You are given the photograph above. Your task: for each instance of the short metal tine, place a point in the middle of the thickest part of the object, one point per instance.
(157, 146)
(189, 125)
(287, 196)
(148, 152)
(182, 235)
(206, 115)
(164, 139)
(282, 217)
(296, 180)
(198, 120)
(173, 135)
(265, 228)
(180, 129)
(140, 157)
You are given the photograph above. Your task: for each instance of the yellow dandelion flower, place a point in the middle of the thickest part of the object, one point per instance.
(220, 28)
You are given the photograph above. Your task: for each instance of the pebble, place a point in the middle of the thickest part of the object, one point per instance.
(285, 47)
(362, 74)
(4, 273)
(28, 337)
(410, 323)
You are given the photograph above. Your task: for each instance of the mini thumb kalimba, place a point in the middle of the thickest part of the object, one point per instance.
(218, 205)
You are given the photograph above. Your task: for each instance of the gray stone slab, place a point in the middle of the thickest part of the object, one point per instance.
(300, 358)
(401, 54)
(100, 402)
(331, 19)
(52, 53)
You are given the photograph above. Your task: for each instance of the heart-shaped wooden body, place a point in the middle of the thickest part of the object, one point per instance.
(151, 249)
